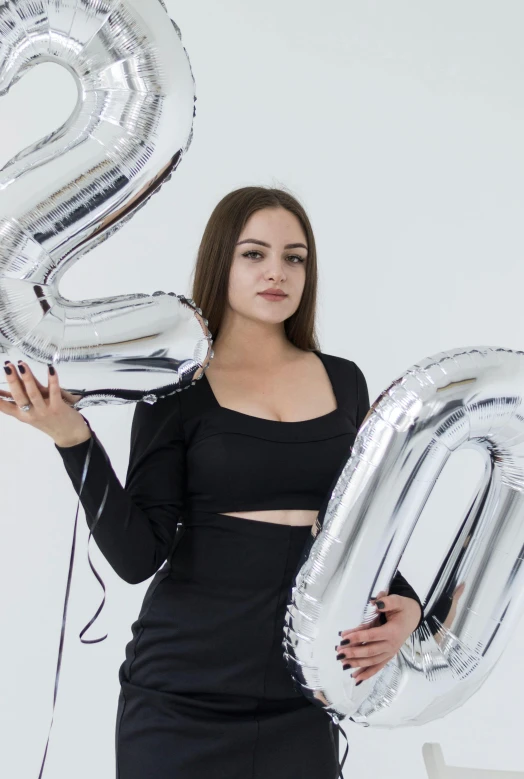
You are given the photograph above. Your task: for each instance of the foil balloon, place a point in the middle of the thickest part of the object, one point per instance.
(470, 397)
(68, 192)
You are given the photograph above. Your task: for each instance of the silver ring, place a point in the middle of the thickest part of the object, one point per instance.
(25, 408)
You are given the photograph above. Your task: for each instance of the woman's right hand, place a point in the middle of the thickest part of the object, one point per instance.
(50, 410)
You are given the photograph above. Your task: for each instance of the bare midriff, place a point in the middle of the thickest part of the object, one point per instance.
(278, 517)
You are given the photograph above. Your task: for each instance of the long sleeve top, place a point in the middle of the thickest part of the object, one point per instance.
(136, 525)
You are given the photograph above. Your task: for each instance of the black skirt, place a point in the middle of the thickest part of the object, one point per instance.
(205, 691)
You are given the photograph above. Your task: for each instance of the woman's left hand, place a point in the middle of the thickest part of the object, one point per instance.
(370, 648)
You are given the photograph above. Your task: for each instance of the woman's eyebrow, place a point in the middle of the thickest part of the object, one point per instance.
(263, 243)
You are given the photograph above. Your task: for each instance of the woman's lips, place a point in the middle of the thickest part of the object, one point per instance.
(268, 296)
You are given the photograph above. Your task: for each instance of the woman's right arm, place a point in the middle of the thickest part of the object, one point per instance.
(137, 523)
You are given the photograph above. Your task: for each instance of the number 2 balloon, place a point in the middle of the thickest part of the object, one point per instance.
(68, 192)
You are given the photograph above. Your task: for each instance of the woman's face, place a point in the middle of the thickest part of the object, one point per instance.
(271, 252)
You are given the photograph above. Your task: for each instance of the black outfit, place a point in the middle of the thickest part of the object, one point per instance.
(205, 691)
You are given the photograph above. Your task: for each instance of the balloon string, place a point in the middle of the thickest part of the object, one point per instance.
(340, 730)
(68, 588)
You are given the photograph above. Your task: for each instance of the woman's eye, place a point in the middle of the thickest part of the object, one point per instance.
(293, 256)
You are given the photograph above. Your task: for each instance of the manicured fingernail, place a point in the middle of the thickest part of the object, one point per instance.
(339, 632)
(379, 604)
(341, 656)
(51, 369)
(345, 667)
(21, 368)
(344, 642)
(7, 370)
(360, 682)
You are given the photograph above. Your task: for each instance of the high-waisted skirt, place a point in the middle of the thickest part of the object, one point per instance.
(205, 691)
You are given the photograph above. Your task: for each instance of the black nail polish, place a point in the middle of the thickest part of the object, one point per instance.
(345, 667)
(344, 642)
(7, 370)
(360, 682)
(51, 369)
(21, 369)
(379, 604)
(339, 632)
(340, 656)
(6, 362)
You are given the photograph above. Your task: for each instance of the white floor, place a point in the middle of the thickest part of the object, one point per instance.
(437, 768)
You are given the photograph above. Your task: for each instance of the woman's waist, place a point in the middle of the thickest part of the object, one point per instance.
(237, 551)
(244, 524)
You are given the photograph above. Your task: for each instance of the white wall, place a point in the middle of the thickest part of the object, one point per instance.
(399, 125)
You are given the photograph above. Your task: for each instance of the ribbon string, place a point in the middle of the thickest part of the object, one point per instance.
(68, 588)
(336, 724)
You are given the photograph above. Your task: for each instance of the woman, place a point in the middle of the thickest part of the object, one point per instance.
(242, 462)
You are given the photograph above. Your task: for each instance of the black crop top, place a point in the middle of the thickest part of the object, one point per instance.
(239, 462)
(189, 453)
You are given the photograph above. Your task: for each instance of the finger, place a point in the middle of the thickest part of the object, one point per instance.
(55, 392)
(367, 662)
(378, 596)
(44, 391)
(67, 397)
(388, 603)
(362, 652)
(366, 636)
(363, 626)
(367, 673)
(31, 390)
(345, 633)
(37, 382)
(70, 397)
(15, 385)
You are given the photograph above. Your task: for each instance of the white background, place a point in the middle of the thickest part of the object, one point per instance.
(399, 126)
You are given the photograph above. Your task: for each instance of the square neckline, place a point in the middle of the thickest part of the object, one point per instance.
(284, 422)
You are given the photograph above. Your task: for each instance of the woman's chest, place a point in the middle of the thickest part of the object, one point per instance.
(237, 465)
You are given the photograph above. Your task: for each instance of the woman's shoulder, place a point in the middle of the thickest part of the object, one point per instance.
(151, 415)
(341, 362)
(346, 370)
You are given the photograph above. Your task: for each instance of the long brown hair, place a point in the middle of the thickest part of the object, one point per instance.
(215, 256)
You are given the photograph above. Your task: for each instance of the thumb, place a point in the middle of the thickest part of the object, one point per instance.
(387, 603)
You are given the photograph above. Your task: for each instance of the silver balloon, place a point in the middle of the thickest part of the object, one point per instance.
(68, 192)
(466, 398)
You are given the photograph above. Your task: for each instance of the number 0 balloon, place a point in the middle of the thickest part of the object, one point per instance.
(462, 398)
(68, 192)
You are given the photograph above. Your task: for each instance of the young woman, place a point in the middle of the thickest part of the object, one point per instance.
(244, 458)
